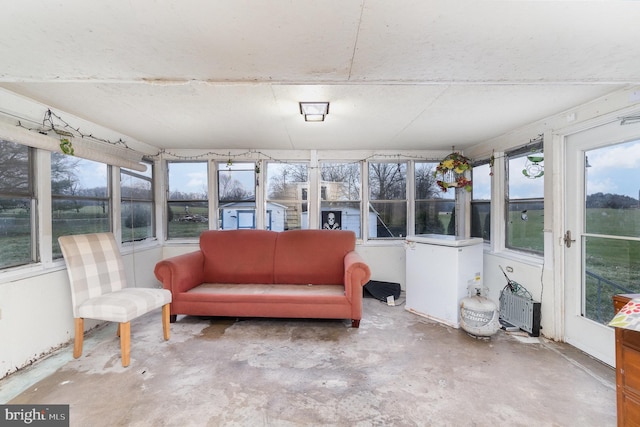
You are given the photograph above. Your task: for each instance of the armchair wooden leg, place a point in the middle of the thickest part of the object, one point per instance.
(166, 314)
(79, 337)
(118, 330)
(355, 323)
(125, 342)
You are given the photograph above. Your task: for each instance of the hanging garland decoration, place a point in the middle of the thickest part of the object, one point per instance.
(451, 171)
(492, 161)
(65, 131)
(66, 146)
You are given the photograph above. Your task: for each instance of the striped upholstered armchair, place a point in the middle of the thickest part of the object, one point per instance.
(99, 290)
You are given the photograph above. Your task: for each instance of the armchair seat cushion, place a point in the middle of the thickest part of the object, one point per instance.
(123, 305)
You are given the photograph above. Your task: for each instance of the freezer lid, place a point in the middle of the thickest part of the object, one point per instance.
(444, 240)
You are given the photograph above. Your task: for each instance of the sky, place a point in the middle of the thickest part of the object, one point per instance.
(188, 177)
(614, 169)
(521, 186)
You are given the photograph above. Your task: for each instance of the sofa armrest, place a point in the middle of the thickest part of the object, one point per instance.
(181, 273)
(356, 275)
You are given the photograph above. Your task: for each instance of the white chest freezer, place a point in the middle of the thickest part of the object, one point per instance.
(439, 270)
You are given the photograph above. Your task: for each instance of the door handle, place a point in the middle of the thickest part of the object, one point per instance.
(567, 239)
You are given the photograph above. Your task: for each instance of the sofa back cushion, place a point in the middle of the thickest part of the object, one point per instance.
(312, 256)
(238, 256)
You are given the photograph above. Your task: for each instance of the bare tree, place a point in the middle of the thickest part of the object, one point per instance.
(230, 189)
(426, 182)
(64, 180)
(14, 167)
(347, 175)
(387, 181)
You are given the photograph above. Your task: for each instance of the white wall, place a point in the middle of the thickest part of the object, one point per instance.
(36, 318)
(386, 262)
(139, 264)
(527, 273)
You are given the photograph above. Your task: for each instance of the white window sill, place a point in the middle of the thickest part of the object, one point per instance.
(22, 272)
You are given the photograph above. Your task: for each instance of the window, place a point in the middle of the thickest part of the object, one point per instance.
(387, 199)
(481, 201)
(287, 196)
(137, 206)
(340, 197)
(17, 205)
(246, 219)
(524, 201)
(188, 199)
(434, 209)
(80, 197)
(237, 195)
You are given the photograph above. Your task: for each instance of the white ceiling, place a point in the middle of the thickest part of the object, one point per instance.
(399, 74)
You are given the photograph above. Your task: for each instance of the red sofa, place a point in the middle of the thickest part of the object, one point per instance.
(260, 273)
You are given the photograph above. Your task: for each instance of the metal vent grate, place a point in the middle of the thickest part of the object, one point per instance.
(520, 311)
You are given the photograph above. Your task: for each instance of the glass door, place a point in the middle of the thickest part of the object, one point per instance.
(602, 234)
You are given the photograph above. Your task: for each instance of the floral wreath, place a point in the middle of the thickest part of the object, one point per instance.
(452, 169)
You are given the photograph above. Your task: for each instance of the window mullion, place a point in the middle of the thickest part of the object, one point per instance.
(115, 193)
(411, 198)
(498, 202)
(364, 196)
(44, 200)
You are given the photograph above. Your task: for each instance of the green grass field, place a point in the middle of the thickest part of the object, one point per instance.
(187, 220)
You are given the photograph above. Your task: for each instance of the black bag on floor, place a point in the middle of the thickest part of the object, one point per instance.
(381, 290)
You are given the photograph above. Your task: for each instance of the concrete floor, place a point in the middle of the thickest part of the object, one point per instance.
(397, 369)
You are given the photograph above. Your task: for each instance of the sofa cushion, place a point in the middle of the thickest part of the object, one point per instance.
(312, 256)
(263, 293)
(238, 256)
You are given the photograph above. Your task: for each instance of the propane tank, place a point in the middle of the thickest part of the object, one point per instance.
(478, 314)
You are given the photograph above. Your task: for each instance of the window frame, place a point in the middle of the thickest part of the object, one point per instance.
(437, 200)
(509, 202)
(106, 199)
(132, 199)
(29, 194)
(246, 213)
(169, 201)
(340, 204)
(301, 200)
(243, 204)
(391, 202)
(485, 227)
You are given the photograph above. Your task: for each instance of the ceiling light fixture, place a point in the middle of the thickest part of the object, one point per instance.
(314, 111)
